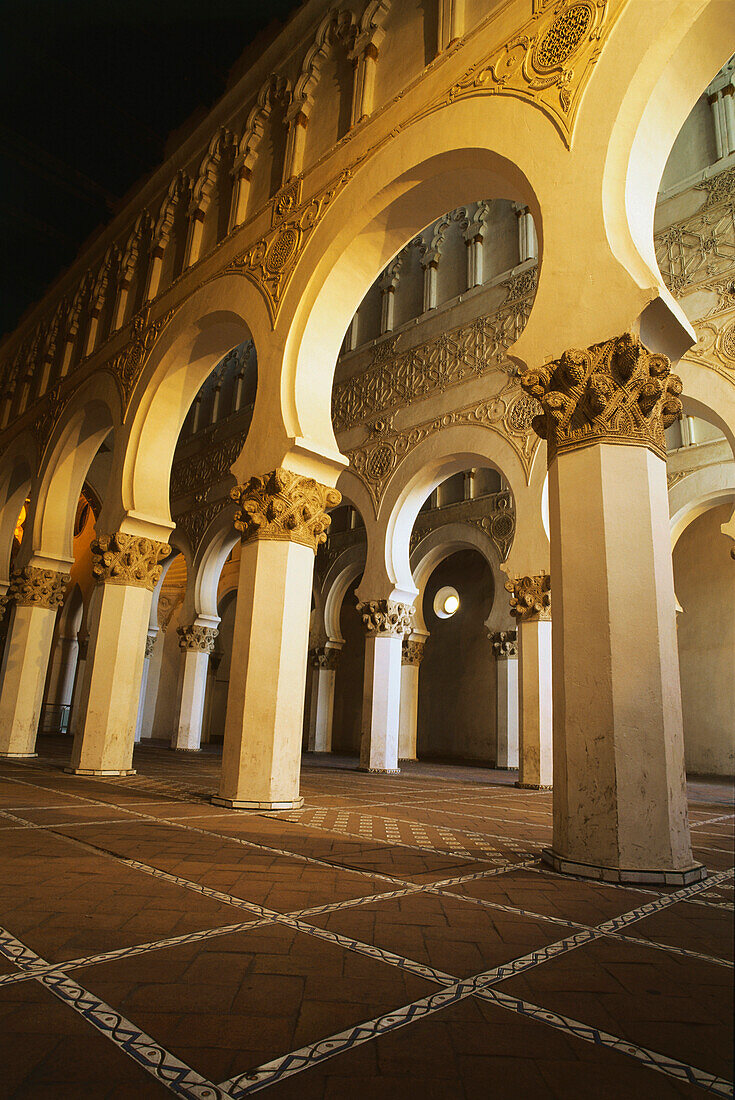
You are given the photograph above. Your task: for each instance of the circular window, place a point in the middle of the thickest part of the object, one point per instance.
(446, 602)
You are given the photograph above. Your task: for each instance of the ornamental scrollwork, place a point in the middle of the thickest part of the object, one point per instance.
(530, 597)
(376, 460)
(505, 644)
(195, 521)
(127, 365)
(386, 618)
(412, 652)
(271, 261)
(36, 587)
(396, 378)
(197, 639)
(120, 558)
(546, 61)
(613, 392)
(284, 506)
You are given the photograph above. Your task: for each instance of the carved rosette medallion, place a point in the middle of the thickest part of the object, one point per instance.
(285, 507)
(530, 598)
(412, 652)
(325, 658)
(120, 558)
(505, 644)
(613, 392)
(34, 587)
(198, 639)
(386, 618)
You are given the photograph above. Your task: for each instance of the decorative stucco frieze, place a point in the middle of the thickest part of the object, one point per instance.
(198, 639)
(613, 392)
(530, 597)
(377, 459)
(35, 587)
(399, 377)
(494, 514)
(386, 617)
(120, 558)
(284, 506)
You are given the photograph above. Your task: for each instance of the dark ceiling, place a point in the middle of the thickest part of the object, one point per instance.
(90, 90)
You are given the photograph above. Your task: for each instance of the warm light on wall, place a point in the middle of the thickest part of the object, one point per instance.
(18, 533)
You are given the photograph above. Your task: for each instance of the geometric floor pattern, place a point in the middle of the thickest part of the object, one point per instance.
(397, 937)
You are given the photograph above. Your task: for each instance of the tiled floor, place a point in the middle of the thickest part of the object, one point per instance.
(395, 938)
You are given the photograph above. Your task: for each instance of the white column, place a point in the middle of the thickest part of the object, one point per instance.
(35, 595)
(282, 519)
(127, 570)
(620, 809)
(324, 664)
(196, 643)
(148, 653)
(505, 651)
(411, 657)
(386, 621)
(531, 607)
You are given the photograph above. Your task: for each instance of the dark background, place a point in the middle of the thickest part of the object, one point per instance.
(89, 93)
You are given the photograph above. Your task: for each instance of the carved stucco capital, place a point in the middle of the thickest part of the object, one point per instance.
(412, 652)
(386, 617)
(150, 642)
(285, 507)
(505, 644)
(197, 638)
(613, 392)
(128, 559)
(325, 658)
(36, 587)
(530, 597)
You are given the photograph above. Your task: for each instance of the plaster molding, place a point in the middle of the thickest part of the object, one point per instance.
(613, 392)
(120, 558)
(284, 506)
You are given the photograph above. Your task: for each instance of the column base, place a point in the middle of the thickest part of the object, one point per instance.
(696, 873)
(174, 749)
(101, 773)
(243, 804)
(379, 771)
(18, 755)
(407, 760)
(532, 786)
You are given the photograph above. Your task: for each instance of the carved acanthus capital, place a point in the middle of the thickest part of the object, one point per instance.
(200, 639)
(505, 644)
(150, 642)
(325, 658)
(530, 597)
(128, 559)
(35, 587)
(386, 617)
(412, 652)
(613, 392)
(286, 507)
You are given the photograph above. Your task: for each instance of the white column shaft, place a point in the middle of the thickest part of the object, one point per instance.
(381, 702)
(535, 703)
(409, 712)
(193, 690)
(507, 713)
(25, 661)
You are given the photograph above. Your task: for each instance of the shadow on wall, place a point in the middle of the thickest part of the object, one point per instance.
(457, 684)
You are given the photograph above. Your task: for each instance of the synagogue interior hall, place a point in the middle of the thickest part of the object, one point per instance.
(367, 574)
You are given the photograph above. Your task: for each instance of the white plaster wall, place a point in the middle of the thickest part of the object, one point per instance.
(704, 576)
